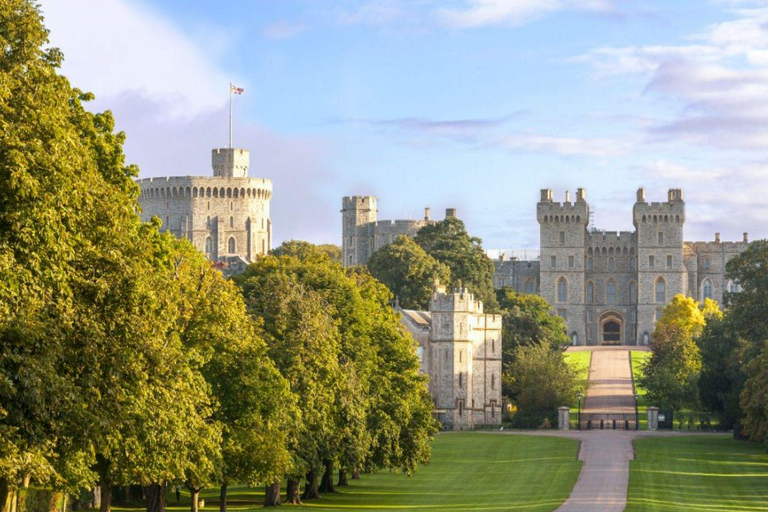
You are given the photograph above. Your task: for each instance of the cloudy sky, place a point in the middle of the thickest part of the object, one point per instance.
(474, 104)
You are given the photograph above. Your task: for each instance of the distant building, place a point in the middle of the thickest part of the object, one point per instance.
(610, 287)
(460, 350)
(226, 215)
(363, 234)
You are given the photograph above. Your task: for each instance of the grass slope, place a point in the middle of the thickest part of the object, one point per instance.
(469, 471)
(697, 473)
(639, 357)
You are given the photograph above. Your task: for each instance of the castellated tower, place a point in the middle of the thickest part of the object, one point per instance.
(660, 267)
(226, 215)
(563, 232)
(358, 214)
(464, 360)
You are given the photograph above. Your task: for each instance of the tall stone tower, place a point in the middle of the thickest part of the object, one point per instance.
(660, 266)
(358, 215)
(563, 232)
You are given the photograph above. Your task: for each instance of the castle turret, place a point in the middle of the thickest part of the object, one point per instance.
(230, 162)
(563, 231)
(358, 215)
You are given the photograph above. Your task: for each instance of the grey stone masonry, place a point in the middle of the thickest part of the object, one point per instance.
(610, 287)
(226, 215)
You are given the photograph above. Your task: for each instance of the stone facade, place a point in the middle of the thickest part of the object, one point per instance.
(363, 234)
(460, 350)
(226, 215)
(610, 287)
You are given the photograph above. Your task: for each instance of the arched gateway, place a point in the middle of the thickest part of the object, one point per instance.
(611, 328)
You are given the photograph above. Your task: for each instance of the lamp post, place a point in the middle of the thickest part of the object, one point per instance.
(637, 415)
(579, 416)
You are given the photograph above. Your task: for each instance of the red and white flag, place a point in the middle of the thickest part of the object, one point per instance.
(236, 90)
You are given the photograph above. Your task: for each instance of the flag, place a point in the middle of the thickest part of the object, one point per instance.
(236, 90)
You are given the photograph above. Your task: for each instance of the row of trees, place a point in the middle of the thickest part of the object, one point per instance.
(125, 358)
(536, 377)
(718, 361)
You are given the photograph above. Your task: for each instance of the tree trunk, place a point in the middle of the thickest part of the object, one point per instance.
(155, 498)
(106, 495)
(194, 496)
(223, 498)
(311, 491)
(272, 495)
(21, 495)
(342, 478)
(5, 493)
(326, 484)
(292, 492)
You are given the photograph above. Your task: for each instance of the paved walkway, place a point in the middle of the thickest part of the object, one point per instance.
(610, 383)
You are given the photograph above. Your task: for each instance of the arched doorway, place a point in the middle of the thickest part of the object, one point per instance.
(611, 329)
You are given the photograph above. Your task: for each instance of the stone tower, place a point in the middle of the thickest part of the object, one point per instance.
(358, 213)
(230, 162)
(660, 266)
(563, 232)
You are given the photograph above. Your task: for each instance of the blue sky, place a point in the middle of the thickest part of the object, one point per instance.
(474, 104)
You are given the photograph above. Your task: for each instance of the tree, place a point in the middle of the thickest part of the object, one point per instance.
(527, 320)
(670, 375)
(541, 380)
(748, 308)
(754, 398)
(449, 243)
(408, 271)
(332, 251)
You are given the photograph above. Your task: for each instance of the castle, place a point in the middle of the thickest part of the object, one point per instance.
(460, 349)
(609, 287)
(226, 215)
(363, 234)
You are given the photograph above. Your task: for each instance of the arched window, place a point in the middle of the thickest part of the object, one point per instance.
(632, 292)
(661, 290)
(231, 245)
(706, 289)
(231, 222)
(632, 263)
(529, 286)
(208, 245)
(589, 263)
(610, 292)
(733, 286)
(611, 263)
(590, 293)
(562, 290)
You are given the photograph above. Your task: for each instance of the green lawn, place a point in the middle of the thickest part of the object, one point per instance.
(579, 360)
(704, 472)
(639, 357)
(469, 471)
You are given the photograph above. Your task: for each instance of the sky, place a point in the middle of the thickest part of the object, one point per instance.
(472, 104)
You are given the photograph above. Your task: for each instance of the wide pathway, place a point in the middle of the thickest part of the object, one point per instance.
(610, 383)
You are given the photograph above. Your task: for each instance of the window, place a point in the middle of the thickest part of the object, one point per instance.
(529, 286)
(231, 245)
(632, 293)
(610, 292)
(231, 222)
(590, 293)
(590, 316)
(460, 380)
(706, 290)
(589, 263)
(661, 238)
(658, 314)
(570, 261)
(459, 355)
(669, 261)
(651, 261)
(493, 381)
(461, 407)
(553, 261)
(562, 238)
(706, 263)
(611, 263)
(632, 263)
(208, 245)
(562, 290)
(661, 290)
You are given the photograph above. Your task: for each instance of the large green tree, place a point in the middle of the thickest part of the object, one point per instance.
(408, 271)
(449, 243)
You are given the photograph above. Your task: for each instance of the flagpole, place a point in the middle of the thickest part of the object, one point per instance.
(230, 116)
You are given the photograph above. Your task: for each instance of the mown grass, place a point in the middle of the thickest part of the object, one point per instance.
(639, 357)
(698, 473)
(469, 471)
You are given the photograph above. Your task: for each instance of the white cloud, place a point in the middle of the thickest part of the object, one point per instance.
(480, 13)
(566, 146)
(121, 47)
